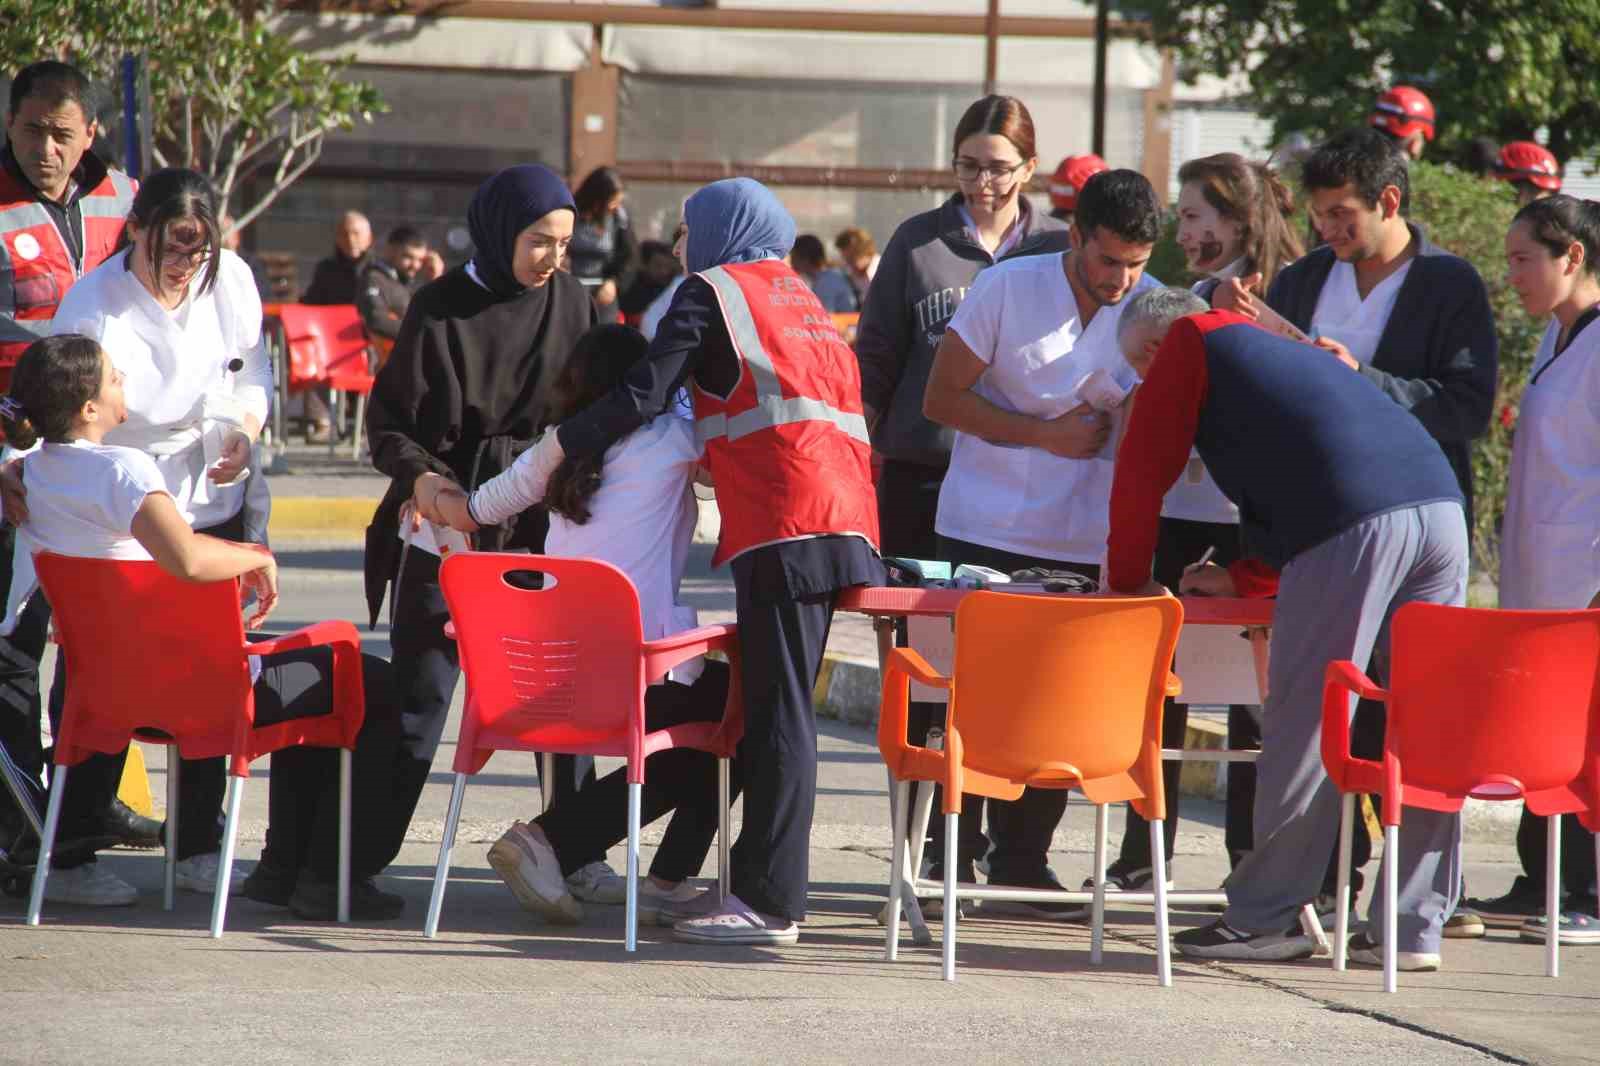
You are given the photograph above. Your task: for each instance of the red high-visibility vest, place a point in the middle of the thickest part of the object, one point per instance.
(788, 448)
(36, 267)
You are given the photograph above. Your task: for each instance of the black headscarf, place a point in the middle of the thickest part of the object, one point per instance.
(503, 207)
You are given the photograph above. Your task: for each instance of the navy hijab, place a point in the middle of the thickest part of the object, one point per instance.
(736, 220)
(503, 207)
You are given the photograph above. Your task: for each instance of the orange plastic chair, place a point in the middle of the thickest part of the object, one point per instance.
(163, 660)
(562, 669)
(328, 345)
(1048, 692)
(1495, 705)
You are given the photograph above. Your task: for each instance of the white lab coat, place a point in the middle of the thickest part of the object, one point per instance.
(1550, 545)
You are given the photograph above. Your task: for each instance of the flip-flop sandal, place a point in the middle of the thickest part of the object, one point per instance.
(733, 927)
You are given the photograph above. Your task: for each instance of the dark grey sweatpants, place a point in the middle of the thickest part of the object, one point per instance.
(1335, 601)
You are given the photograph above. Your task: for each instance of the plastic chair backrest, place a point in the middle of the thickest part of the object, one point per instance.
(1077, 680)
(1476, 693)
(323, 341)
(562, 661)
(145, 650)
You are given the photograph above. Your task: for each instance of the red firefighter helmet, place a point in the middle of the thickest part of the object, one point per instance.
(1070, 177)
(1526, 161)
(1402, 111)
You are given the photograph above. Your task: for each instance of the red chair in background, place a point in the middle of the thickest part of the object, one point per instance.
(1495, 705)
(163, 660)
(562, 670)
(327, 345)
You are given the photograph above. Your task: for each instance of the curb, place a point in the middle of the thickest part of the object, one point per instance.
(320, 516)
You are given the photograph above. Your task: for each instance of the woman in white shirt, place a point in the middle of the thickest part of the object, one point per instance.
(634, 508)
(1550, 544)
(93, 499)
(181, 319)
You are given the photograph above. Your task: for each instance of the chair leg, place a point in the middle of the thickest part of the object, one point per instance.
(897, 869)
(336, 419)
(230, 841)
(1097, 912)
(1391, 895)
(547, 780)
(1552, 896)
(1158, 867)
(345, 769)
(441, 872)
(169, 894)
(47, 842)
(724, 817)
(952, 828)
(1341, 898)
(631, 937)
(921, 812)
(361, 410)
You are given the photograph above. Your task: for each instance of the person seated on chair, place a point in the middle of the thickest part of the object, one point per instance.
(90, 499)
(616, 507)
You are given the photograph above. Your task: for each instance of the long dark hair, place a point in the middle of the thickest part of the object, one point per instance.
(1251, 196)
(51, 382)
(171, 196)
(600, 360)
(594, 193)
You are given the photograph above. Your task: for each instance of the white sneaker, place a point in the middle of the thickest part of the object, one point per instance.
(89, 886)
(598, 883)
(198, 873)
(531, 871)
(653, 900)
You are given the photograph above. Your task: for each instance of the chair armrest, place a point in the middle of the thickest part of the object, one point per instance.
(336, 631)
(904, 759)
(662, 655)
(909, 661)
(1341, 680)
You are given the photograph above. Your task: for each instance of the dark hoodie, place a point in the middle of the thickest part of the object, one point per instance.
(921, 280)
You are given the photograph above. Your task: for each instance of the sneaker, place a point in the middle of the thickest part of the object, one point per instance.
(89, 886)
(316, 900)
(734, 922)
(598, 883)
(1368, 952)
(699, 905)
(1046, 910)
(1219, 940)
(653, 899)
(198, 873)
(1524, 901)
(1464, 924)
(529, 867)
(1573, 926)
(270, 883)
(1123, 876)
(933, 909)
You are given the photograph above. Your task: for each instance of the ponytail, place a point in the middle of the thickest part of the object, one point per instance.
(51, 382)
(1251, 196)
(1559, 221)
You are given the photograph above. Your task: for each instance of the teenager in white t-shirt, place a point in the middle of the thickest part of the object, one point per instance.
(95, 500)
(1030, 474)
(634, 508)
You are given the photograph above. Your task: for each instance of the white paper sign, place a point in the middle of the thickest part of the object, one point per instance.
(935, 640)
(1216, 665)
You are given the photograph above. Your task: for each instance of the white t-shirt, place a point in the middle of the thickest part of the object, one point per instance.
(1195, 496)
(81, 501)
(1020, 318)
(641, 519)
(176, 363)
(1344, 316)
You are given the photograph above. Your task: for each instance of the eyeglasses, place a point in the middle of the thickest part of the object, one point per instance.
(967, 170)
(186, 256)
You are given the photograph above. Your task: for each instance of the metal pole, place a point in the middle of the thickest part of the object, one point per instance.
(132, 160)
(991, 46)
(1101, 31)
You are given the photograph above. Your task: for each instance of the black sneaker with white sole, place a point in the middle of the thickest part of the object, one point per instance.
(1123, 876)
(1219, 940)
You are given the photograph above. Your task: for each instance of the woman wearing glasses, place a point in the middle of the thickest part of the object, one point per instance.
(922, 278)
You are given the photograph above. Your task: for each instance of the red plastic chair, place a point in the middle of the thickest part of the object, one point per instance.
(1495, 705)
(327, 345)
(164, 660)
(563, 669)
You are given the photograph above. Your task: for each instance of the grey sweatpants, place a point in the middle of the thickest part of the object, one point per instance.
(1335, 601)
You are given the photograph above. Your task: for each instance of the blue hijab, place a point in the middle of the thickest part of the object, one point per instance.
(503, 207)
(736, 220)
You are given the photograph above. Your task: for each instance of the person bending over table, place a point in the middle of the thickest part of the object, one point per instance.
(1346, 494)
(632, 507)
(95, 500)
(1029, 473)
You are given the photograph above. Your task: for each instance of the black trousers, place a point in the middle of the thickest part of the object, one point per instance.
(1180, 542)
(1021, 829)
(1577, 853)
(426, 668)
(680, 780)
(303, 793)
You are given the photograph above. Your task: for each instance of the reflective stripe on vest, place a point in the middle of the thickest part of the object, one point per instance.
(114, 206)
(23, 216)
(772, 408)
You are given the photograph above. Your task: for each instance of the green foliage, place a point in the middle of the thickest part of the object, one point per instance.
(230, 98)
(1494, 68)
